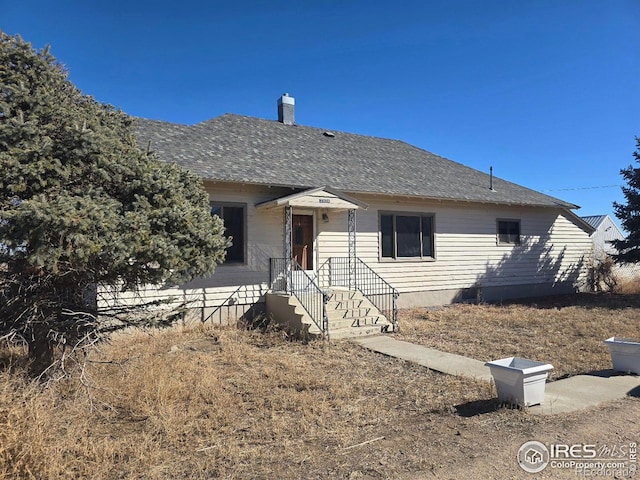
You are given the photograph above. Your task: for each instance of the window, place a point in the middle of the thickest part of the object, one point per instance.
(509, 232)
(406, 235)
(233, 216)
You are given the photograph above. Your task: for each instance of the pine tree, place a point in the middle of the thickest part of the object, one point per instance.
(82, 205)
(629, 213)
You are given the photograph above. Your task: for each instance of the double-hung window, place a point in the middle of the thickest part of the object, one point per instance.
(233, 216)
(508, 232)
(407, 235)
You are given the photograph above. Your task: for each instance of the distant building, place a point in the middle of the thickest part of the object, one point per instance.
(605, 232)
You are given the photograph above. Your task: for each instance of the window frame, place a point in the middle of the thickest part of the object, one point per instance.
(243, 206)
(395, 257)
(518, 222)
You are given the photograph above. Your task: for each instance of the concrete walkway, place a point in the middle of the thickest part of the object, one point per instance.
(583, 391)
(427, 357)
(567, 395)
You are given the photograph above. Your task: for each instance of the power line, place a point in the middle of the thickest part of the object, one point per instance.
(579, 188)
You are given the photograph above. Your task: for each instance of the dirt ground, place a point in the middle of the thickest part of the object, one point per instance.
(485, 446)
(566, 331)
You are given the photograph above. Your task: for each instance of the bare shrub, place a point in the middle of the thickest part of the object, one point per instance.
(602, 275)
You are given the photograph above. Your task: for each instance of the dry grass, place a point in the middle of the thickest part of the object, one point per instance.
(628, 285)
(565, 331)
(209, 402)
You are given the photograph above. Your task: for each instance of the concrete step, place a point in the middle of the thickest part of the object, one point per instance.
(288, 312)
(378, 320)
(349, 313)
(358, 331)
(340, 295)
(345, 304)
(337, 314)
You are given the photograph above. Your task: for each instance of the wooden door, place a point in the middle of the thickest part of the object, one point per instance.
(303, 240)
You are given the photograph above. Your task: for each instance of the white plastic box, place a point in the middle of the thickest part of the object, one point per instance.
(519, 381)
(625, 354)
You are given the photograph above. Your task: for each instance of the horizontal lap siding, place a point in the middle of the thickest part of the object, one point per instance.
(230, 285)
(333, 238)
(553, 249)
(606, 232)
(197, 297)
(264, 235)
(465, 240)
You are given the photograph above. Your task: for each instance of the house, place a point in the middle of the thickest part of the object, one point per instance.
(605, 231)
(362, 226)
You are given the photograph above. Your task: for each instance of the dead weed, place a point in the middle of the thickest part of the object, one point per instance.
(207, 402)
(565, 331)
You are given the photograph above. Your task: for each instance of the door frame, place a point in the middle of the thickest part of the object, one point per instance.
(314, 252)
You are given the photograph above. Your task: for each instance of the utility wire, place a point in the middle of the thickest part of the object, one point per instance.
(579, 188)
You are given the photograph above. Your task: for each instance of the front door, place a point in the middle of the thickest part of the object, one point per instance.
(303, 241)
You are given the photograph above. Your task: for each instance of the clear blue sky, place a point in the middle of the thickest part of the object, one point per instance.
(545, 91)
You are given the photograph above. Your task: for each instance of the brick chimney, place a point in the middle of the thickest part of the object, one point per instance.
(286, 109)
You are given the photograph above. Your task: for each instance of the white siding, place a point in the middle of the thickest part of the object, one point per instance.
(553, 249)
(605, 233)
(233, 287)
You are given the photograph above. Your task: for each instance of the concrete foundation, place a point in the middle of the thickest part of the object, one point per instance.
(430, 298)
(231, 314)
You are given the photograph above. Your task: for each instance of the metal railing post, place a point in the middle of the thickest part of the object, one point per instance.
(288, 245)
(351, 220)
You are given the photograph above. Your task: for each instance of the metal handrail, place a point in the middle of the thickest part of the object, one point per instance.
(219, 307)
(349, 272)
(305, 289)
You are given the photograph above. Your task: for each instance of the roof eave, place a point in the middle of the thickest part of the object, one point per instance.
(288, 200)
(580, 222)
(568, 206)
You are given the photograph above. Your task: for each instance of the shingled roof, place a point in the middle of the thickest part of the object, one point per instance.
(235, 148)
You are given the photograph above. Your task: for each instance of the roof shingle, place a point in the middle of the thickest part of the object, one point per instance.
(236, 148)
